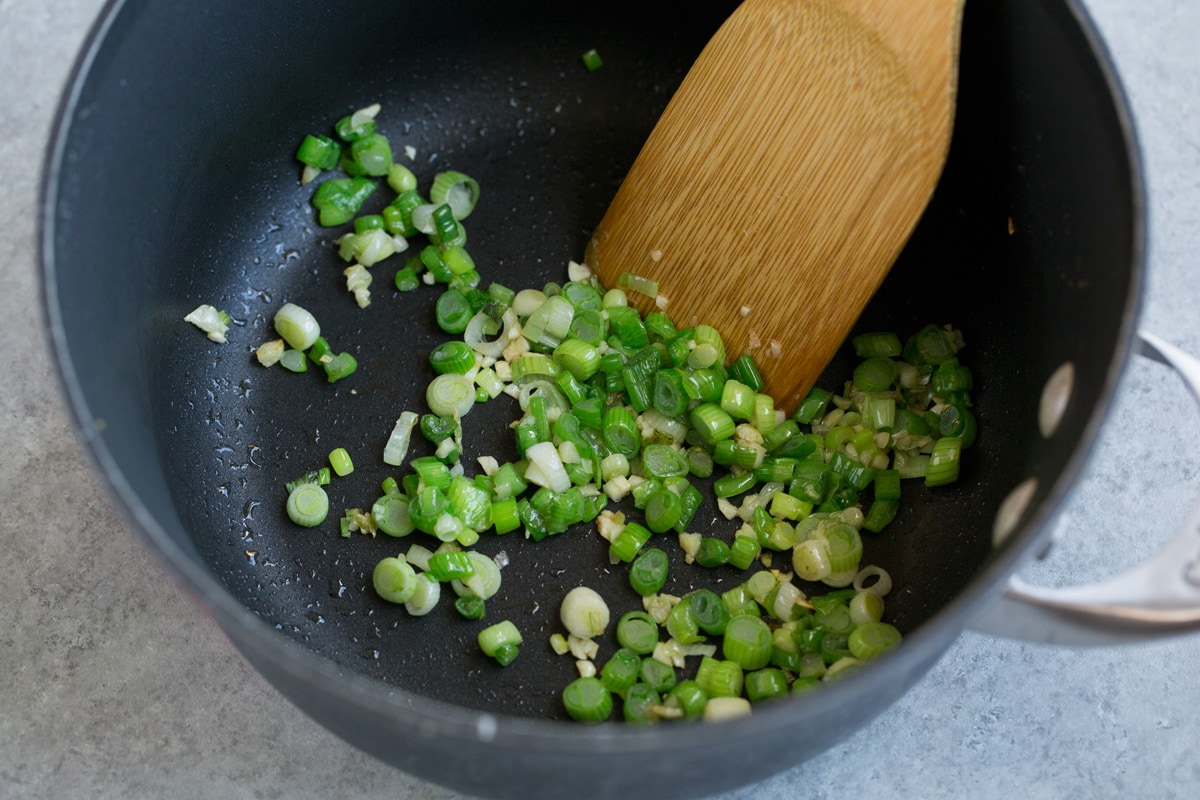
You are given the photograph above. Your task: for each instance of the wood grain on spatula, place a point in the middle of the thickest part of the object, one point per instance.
(787, 173)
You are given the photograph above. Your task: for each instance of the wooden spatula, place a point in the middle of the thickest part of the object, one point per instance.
(786, 175)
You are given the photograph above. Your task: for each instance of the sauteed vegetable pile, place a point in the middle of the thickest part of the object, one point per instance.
(631, 424)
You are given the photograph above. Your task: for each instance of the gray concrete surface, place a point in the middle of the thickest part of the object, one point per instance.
(114, 685)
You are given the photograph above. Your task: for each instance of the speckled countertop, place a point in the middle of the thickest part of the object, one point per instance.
(113, 684)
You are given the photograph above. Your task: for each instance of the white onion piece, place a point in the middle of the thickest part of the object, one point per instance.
(554, 396)
(786, 600)
(584, 613)
(719, 709)
(397, 444)
(297, 326)
(486, 580)
(422, 218)
(546, 468)
(527, 301)
(478, 328)
(882, 584)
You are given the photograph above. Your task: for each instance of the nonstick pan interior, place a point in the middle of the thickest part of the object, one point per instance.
(189, 194)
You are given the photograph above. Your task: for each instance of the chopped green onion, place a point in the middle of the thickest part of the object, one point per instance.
(293, 361)
(877, 345)
(711, 423)
(764, 413)
(432, 472)
(746, 371)
(880, 514)
(620, 671)
(743, 551)
(733, 484)
(426, 506)
(339, 459)
(396, 448)
(669, 396)
(397, 217)
(713, 552)
(460, 192)
(369, 155)
(866, 606)
(307, 505)
(390, 513)
(592, 60)
(637, 631)
(810, 560)
(546, 467)
(450, 566)
(453, 356)
(406, 279)
(682, 625)
(709, 350)
(627, 326)
(588, 325)
(338, 200)
(688, 697)
(505, 518)
(452, 311)
(297, 326)
(426, 596)
(394, 580)
(587, 700)
(844, 547)
(629, 542)
(320, 152)
(872, 639)
(709, 610)
(944, 461)
(956, 420)
(500, 641)
(581, 295)
(930, 345)
(637, 283)
(659, 326)
(620, 431)
(320, 477)
(401, 179)
(747, 642)
(435, 428)
(470, 607)
(584, 613)
(720, 678)
(469, 503)
(737, 400)
(648, 573)
(663, 510)
(764, 684)
(578, 357)
(484, 583)
(875, 374)
(340, 366)
(450, 395)
(357, 125)
(446, 229)
(812, 406)
(658, 675)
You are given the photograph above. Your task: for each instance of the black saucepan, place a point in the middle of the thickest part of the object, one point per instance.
(171, 182)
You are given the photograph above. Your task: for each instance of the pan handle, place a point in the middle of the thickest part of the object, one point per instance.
(1157, 598)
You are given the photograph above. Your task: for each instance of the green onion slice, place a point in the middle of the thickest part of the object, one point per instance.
(451, 395)
(459, 191)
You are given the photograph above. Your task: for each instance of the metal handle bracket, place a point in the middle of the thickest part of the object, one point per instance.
(1154, 599)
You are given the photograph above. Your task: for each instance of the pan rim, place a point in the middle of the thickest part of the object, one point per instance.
(925, 644)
